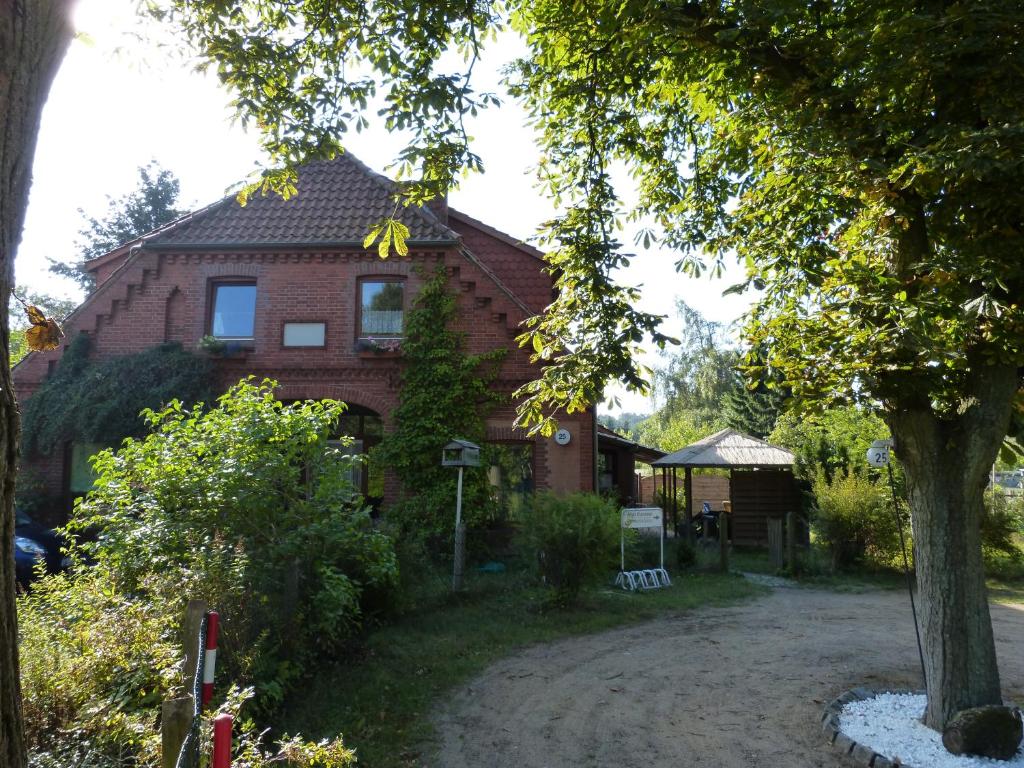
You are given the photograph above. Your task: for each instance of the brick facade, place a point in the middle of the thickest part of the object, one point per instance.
(154, 293)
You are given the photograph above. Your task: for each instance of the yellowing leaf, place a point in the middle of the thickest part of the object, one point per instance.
(368, 241)
(44, 334)
(400, 246)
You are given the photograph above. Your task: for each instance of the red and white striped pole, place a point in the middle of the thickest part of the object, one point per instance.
(222, 741)
(210, 662)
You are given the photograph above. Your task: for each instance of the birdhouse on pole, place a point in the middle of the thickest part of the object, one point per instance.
(461, 453)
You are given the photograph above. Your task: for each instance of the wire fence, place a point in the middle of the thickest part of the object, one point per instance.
(188, 757)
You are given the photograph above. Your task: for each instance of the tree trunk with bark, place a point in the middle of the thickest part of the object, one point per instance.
(946, 460)
(34, 35)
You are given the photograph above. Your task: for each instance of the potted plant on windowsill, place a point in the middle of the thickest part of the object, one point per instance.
(216, 347)
(374, 347)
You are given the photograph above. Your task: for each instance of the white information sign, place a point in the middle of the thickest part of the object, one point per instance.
(642, 517)
(647, 578)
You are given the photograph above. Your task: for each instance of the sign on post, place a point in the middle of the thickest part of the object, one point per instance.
(642, 517)
(650, 578)
(878, 453)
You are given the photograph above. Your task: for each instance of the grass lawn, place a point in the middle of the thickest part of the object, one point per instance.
(381, 698)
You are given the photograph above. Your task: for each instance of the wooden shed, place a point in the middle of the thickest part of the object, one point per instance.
(760, 483)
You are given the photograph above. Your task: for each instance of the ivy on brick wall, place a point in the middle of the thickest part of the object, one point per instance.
(445, 394)
(100, 401)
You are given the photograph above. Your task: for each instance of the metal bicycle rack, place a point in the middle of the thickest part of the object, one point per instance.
(646, 578)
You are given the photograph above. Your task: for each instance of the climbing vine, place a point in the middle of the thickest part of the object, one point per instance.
(100, 401)
(445, 394)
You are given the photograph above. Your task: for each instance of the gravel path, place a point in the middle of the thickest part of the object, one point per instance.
(720, 688)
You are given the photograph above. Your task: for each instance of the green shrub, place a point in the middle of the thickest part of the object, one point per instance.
(1001, 522)
(853, 520)
(686, 555)
(1002, 526)
(248, 507)
(574, 540)
(245, 506)
(95, 664)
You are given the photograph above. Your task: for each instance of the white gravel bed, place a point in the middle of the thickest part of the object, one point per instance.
(890, 724)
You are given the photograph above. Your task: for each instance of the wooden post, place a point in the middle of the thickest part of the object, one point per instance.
(775, 542)
(175, 723)
(791, 541)
(723, 541)
(460, 540)
(688, 479)
(194, 613)
(460, 557)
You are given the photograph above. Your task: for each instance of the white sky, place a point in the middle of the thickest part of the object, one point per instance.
(111, 111)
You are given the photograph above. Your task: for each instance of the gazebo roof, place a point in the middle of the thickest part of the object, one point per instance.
(729, 449)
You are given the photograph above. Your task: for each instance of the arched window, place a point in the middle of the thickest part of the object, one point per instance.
(366, 428)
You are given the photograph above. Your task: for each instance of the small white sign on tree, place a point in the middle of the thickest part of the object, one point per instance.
(878, 453)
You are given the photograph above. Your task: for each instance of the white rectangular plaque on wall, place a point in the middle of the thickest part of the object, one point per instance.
(305, 334)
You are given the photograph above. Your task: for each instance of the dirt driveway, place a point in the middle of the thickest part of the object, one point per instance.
(721, 688)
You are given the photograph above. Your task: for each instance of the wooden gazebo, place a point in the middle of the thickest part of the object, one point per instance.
(761, 482)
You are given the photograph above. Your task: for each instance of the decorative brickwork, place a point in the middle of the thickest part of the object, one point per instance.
(152, 293)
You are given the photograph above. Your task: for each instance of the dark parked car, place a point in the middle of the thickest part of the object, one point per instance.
(34, 543)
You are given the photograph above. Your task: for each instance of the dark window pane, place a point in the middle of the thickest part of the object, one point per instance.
(373, 426)
(234, 311)
(381, 308)
(81, 477)
(511, 477)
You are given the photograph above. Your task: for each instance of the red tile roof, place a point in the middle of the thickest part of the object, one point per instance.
(338, 201)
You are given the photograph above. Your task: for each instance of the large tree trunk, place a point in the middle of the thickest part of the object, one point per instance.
(946, 460)
(34, 35)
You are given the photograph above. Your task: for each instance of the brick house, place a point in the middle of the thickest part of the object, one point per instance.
(288, 285)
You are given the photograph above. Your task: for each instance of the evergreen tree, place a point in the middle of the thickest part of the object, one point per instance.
(152, 204)
(752, 411)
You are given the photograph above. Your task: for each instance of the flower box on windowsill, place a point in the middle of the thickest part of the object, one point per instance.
(236, 349)
(370, 347)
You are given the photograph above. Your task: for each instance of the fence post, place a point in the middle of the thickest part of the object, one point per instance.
(723, 541)
(175, 723)
(791, 541)
(222, 741)
(194, 613)
(210, 662)
(775, 542)
(458, 567)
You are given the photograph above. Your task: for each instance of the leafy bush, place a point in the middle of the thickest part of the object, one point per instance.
(250, 509)
(245, 506)
(95, 665)
(1002, 526)
(834, 441)
(686, 555)
(853, 519)
(573, 539)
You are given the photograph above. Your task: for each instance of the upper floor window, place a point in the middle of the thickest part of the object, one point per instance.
(234, 311)
(381, 308)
